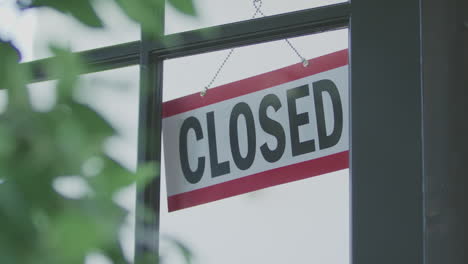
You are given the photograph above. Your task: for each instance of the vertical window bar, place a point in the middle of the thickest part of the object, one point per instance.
(149, 150)
(386, 132)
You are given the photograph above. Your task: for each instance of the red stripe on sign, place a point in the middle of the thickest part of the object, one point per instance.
(259, 181)
(255, 83)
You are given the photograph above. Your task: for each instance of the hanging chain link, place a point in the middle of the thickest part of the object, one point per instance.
(304, 61)
(203, 93)
(257, 4)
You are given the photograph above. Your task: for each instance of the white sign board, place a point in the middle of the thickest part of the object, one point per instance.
(274, 128)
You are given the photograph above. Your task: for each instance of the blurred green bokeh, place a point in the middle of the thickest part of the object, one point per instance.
(38, 224)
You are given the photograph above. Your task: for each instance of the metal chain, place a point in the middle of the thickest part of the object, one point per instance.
(203, 93)
(257, 4)
(257, 11)
(305, 62)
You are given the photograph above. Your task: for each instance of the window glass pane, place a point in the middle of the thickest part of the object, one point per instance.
(217, 12)
(46, 25)
(114, 94)
(303, 221)
(42, 95)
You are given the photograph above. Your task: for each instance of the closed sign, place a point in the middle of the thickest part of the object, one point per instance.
(274, 128)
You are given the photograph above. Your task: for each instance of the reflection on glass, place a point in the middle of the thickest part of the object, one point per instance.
(305, 221)
(218, 12)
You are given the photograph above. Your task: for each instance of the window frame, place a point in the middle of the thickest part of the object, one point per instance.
(385, 63)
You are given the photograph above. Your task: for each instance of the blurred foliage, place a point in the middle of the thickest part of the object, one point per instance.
(38, 223)
(146, 12)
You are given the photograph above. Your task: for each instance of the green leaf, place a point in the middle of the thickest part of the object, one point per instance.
(185, 6)
(37, 224)
(146, 173)
(66, 67)
(82, 10)
(94, 124)
(82, 227)
(147, 258)
(15, 222)
(13, 76)
(7, 142)
(9, 53)
(111, 178)
(146, 12)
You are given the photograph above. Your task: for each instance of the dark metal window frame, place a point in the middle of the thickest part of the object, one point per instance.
(386, 111)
